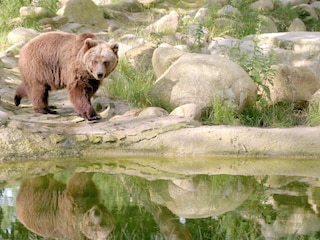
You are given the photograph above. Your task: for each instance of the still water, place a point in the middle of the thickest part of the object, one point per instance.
(160, 198)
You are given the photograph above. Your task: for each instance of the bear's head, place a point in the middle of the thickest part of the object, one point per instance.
(100, 58)
(97, 223)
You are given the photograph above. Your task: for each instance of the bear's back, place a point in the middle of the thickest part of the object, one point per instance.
(38, 208)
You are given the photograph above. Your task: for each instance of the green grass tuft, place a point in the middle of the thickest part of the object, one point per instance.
(313, 115)
(130, 84)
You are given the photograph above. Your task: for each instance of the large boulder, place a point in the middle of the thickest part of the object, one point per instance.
(21, 34)
(82, 11)
(140, 57)
(163, 57)
(201, 79)
(167, 24)
(292, 84)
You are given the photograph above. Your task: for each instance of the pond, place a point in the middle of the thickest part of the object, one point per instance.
(160, 198)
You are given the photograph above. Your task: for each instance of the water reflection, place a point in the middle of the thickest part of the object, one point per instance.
(52, 209)
(295, 202)
(138, 205)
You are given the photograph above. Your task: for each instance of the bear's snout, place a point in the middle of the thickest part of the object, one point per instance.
(100, 75)
(99, 72)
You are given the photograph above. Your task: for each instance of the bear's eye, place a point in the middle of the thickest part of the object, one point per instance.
(106, 63)
(95, 62)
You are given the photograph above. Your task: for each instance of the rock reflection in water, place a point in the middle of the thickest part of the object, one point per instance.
(295, 206)
(196, 197)
(52, 209)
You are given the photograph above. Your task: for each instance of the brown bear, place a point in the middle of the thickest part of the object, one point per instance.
(52, 209)
(57, 60)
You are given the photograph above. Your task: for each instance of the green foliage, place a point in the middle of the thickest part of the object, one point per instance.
(262, 114)
(238, 27)
(220, 113)
(9, 12)
(313, 115)
(277, 115)
(257, 64)
(131, 84)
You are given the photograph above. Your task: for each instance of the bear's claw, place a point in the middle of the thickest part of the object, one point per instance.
(93, 118)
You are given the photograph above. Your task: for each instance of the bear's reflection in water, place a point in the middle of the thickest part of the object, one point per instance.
(56, 210)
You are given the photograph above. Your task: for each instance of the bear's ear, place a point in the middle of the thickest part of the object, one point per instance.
(90, 43)
(114, 47)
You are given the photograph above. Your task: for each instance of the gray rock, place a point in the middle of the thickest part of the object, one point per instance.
(153, 111)
(21, 34)
(71, 27)
(191, 111)
(128, 42)
(82, 11)
(230, 47)
(9, 62)
(202, 15)
(293, 2)
(33, 11)
(267, 25)
(102, 2)
(167, 24)
(315, 5)
(140, 57)
(297, 26)
(292, 84)
(163, 57)
(60, 20)
(262, 5)
(229, 11)
(200, 78)
(132, 6)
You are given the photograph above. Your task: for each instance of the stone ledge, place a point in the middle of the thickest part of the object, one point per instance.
(165, 136)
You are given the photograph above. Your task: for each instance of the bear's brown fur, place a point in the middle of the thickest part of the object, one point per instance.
(52, 209)
(57, 60)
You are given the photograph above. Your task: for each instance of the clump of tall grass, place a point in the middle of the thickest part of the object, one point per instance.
(220, 113)
(131, 84)
(313, 115)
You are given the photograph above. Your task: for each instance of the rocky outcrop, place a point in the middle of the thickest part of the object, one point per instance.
(39, 138)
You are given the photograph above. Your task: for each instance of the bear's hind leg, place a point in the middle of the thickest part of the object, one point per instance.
(21, 92)
(39, 98)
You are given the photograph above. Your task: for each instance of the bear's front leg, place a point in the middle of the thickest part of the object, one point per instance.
(80, 98)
